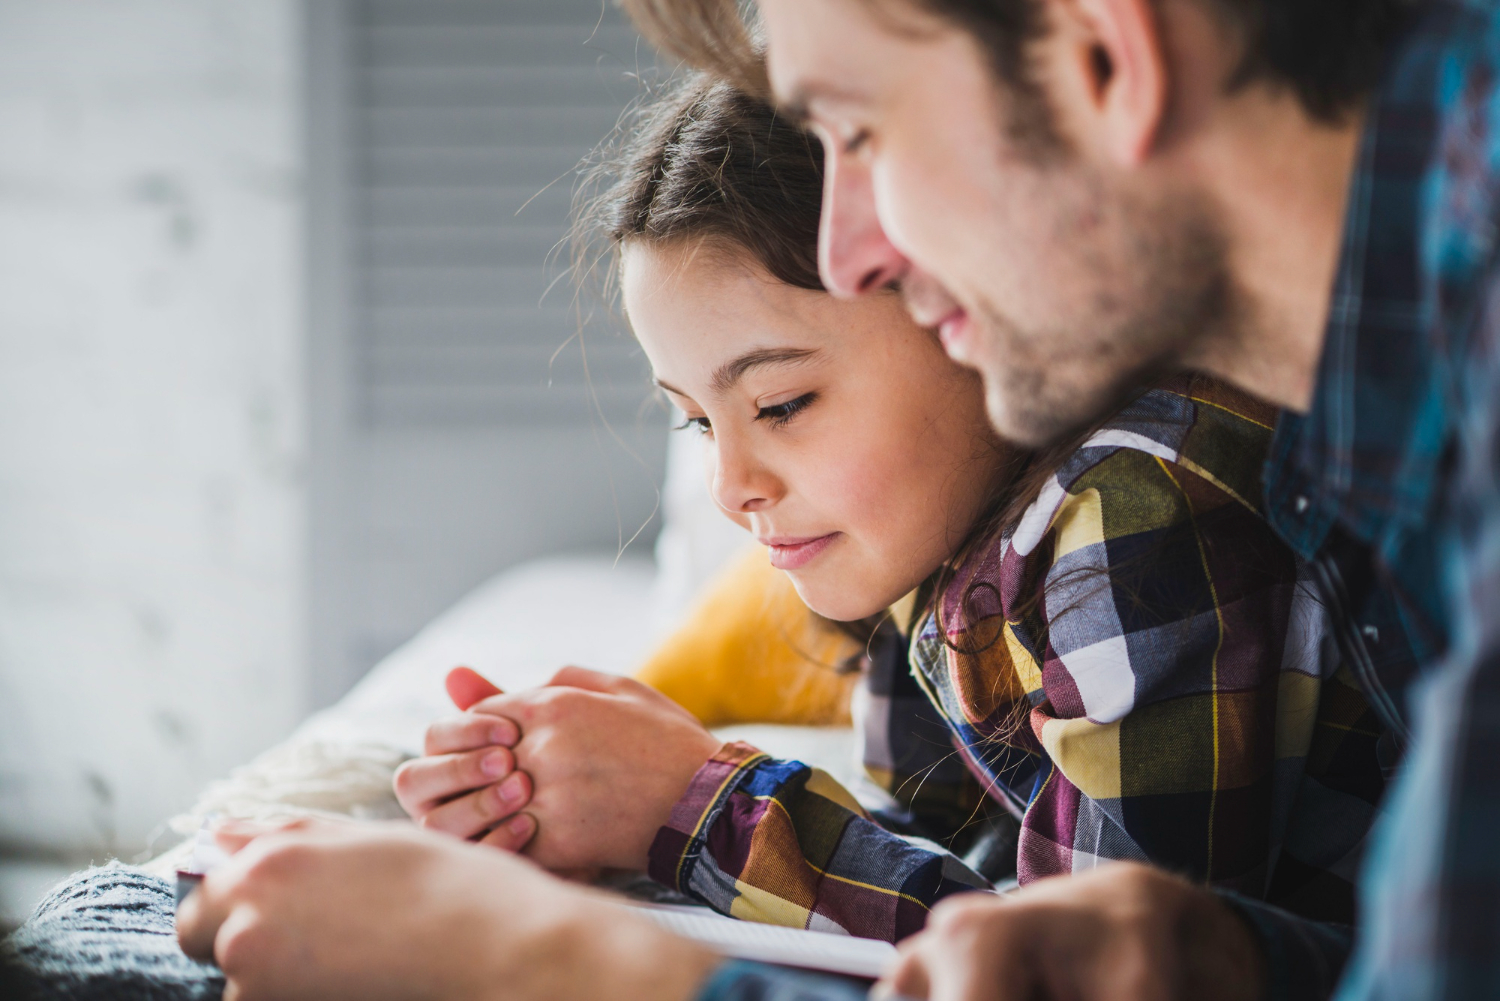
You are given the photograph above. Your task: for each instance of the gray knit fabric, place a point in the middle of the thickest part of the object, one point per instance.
(108, 935)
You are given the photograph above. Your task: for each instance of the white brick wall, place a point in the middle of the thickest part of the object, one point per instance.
(151, 419)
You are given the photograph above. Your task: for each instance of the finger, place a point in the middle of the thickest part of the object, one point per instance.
(233, 835)
(425, 783)
(976, 949)
(467, 686)
(906, 979)
(512, 835)
(593, 681)
(468, 732)
(199, 917)
(246, 949)
(467, 816)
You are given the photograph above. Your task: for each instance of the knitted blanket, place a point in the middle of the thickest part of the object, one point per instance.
(107, 934)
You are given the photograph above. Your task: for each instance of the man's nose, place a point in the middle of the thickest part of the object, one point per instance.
(854, 256)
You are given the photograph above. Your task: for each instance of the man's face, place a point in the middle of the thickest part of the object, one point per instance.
(1064, 280)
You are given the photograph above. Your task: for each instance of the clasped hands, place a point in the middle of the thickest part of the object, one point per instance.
(579, 773)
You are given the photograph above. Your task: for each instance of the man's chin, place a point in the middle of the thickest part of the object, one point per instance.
(1037, 424)
(1015, 425)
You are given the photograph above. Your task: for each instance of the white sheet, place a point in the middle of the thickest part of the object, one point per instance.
(517, 630)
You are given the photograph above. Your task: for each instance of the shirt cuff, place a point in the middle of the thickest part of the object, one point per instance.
(1303, 958)
(685, 828)
(737, 980)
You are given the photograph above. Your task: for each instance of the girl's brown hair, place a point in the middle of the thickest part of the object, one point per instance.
(709, 162)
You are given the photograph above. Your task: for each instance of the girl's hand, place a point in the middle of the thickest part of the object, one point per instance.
(609, 756)
(467, 783)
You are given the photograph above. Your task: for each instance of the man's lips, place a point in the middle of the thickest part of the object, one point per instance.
(953, 331)
(791, 553)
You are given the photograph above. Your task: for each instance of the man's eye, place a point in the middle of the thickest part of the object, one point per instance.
(700, 424)
(781, 413)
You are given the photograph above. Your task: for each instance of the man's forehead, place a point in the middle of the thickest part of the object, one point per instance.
(837, 52)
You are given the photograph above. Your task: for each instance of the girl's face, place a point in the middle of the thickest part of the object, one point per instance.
(838, 432)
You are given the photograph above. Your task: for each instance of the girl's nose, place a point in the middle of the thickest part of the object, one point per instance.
(739, 483)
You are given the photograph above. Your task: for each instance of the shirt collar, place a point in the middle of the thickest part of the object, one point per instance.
(1365, 455)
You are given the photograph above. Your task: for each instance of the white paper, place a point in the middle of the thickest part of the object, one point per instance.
(811, 950)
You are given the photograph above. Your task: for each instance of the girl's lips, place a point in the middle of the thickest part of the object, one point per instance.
(794, 554)
(953, 331)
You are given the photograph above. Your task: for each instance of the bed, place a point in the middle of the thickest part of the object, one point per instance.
(599, 611)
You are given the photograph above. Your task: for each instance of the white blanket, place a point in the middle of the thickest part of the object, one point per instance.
(516, 630)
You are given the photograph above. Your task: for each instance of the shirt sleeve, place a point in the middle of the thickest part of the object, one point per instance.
(1430, 923)
(737, 980)
(775, 841)
(1303, 957)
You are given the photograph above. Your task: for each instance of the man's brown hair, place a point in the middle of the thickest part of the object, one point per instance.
(1328, 52)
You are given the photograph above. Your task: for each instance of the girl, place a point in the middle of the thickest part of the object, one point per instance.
(1105, 639)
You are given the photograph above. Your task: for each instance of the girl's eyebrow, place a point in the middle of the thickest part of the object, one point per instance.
(731, 372)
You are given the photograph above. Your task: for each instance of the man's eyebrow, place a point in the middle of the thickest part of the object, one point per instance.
(798, 104)
(794, 109)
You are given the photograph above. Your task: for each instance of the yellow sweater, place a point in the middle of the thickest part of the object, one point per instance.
(752, 652)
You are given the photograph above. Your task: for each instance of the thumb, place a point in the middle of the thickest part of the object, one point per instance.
(467, 686)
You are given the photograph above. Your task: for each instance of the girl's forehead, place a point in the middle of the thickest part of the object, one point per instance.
(695, 306)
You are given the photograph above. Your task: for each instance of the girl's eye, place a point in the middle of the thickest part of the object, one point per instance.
(781, 413)
(700, 424)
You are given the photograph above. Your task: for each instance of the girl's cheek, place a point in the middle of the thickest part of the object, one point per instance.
(864, 490)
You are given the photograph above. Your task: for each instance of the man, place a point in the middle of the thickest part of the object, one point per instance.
(1080, 195)
(1295, 196)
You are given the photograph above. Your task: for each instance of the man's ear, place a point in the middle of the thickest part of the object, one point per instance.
(1112, 54)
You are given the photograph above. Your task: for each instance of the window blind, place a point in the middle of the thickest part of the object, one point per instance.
(469, 120)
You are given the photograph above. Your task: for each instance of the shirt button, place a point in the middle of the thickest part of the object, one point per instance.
(1301, 504)
(1371, 633)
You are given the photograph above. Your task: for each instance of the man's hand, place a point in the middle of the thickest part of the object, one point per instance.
(325, 911)
(1122, 932)
(608, 758)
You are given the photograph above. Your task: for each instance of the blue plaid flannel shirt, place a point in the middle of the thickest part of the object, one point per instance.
(1390, 487)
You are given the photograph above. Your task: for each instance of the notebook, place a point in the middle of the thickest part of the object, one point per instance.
(810, 950)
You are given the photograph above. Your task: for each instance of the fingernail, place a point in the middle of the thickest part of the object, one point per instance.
(519, 825)
(495, 764)
(503, 733)
(510, 790)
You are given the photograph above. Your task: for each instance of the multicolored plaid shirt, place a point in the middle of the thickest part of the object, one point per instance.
(1138, 671)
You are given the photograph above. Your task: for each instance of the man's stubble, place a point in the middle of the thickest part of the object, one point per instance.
(1149, 305)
